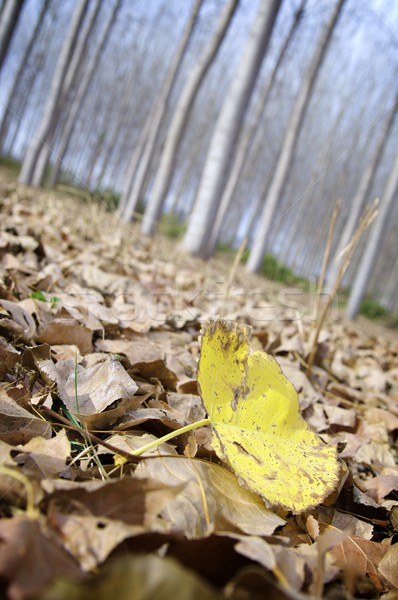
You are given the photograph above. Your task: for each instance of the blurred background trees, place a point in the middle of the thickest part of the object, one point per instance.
(145, 100)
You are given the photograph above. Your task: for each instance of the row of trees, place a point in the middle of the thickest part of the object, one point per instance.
(250, 124)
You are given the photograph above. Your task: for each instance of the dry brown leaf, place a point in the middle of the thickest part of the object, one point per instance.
(100, 516)
(358, 557)
(340, 416)
(97, 386)
(189, 406)
(17, 425)
(65, 351)
(24, 545)
(21, 316)
(9, 357)
(44, 458)
(86, 305)
(168, 418)
(132, 501)
(380, 486)
(388, 566)
(139, 577)
(12, 331)
(67, 331)
(12, 263)
(136, 350)
(90, 539)
(145, 357)
(345, 522)
(258, 550)
(375, 453)
(379, 415)
(212, 499)
(140, 315)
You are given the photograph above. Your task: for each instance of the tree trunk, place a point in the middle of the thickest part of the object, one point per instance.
(138, 168)
(248, 139)
(69, 125)
(360, 197)
(368, 259)
(9, 18)
(5, 123)
(24, 91)
(32, 154)
(227, 130)
(70, 78)
(180, 119)
(289, 143)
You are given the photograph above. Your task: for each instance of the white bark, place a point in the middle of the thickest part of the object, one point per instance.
(362, 193)
(50, 108)
(290, 142)
(138, 168)
(69, 80)
(248, 139)
(227, 129)
(69, 125)
(9, 18)
(368, 259)
(180, 119)
(17, 79)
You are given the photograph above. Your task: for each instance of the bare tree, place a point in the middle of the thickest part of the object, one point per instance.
(289, 143)
(10, 13)
(70, 78)
(226, 132)
(138, 169)
(248, 139)
(69, 124)
(180, 119)
(369, 256)
(18, 76)
(33, 152)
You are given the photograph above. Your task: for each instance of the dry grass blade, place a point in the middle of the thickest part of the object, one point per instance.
(232, 273)
(325, 261)
(368, 217)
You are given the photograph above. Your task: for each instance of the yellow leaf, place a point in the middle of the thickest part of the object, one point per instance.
(256, 424)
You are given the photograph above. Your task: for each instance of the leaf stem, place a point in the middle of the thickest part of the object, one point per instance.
(170, 436)
(31, 510)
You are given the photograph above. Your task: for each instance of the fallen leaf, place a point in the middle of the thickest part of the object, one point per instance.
(31, 556)
(97, 386)
(145, 357)
(257, 427)
(44, 458)
(388, 566)
(340, 416)
(212, 499)
(345, 522)
(90, 539)
(95, 518)
(21, 316)
(17, 425)
(380, 486)
(9, 357)
(259, 550)
(139, 577)
(358, 557)
(67, 331)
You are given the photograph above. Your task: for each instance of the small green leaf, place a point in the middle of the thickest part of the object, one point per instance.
(38, 295)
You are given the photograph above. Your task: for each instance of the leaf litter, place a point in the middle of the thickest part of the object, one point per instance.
(99, 345)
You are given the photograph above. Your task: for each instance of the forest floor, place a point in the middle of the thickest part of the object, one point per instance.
(99, 345)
